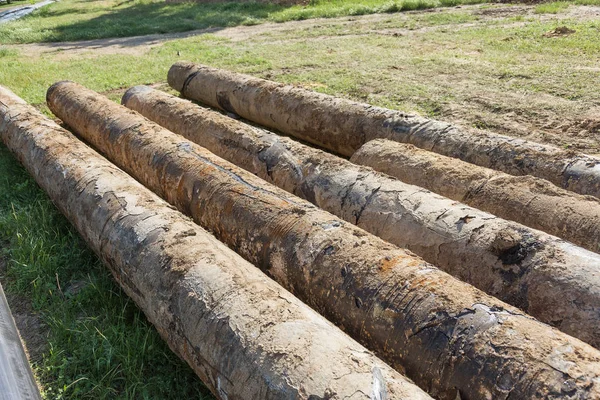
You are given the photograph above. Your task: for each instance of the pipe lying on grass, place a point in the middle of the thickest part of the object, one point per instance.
(343, 126)
(16, 378)
(244, 335)
(447, 335)
(528, 200)
(554, 281)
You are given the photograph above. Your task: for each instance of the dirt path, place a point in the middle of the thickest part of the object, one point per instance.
(139, 45)
(14, 13)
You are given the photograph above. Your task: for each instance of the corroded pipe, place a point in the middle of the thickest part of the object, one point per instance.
(343, 126)
(552, 280)
(451, 338)
(525, 199)
(244, 335)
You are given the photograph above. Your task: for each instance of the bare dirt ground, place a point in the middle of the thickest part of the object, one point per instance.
(31, 328)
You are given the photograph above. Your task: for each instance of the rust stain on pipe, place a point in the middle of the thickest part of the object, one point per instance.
(550, 279)
(244, 335)
(528, 200)
(451, 338)
(343, 126)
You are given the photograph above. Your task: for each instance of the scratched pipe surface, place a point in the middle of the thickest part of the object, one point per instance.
(445, 334)
(554, 281)
(531, 201)
(244, 335)
(343, 126)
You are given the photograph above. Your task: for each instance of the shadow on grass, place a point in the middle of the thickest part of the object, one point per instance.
(159, 18)
(76, 20)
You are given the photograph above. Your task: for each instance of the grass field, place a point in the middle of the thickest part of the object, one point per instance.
(16, 3)
(496, 67)
(81, 20)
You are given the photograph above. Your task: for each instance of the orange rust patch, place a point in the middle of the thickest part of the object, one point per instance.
(387, 263)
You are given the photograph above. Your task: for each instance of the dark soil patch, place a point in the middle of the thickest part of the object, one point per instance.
(33, 331)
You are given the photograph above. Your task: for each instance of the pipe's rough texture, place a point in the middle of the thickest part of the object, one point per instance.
(343, 126)
(552, 280)
(447, 335)
(243, 334)
(530, 201)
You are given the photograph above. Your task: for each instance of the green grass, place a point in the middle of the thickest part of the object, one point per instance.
(490, 54)
(100, 344)
(8, 52)
(70, 20)
(17, 3)
(557, 7)
(551, 8)
(6, 5)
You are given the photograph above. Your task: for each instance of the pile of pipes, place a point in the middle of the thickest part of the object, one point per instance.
(433, 262)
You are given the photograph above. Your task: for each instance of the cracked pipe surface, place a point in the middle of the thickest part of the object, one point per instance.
(244, 335)
(451, 338)
(343, 126)
(528, 200)
(552, 280)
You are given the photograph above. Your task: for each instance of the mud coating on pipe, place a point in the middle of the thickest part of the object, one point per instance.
(445, 334)
(244, 335)
(549, 278)
(531, 201)
(343, 126)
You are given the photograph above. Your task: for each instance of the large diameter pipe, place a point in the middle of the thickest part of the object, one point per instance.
(343, 126)
(244, 335)
(528, 200)
(552, 280)
(451, 338)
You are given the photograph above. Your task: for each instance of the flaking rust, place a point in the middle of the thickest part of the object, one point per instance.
(554, 281)
(343, 126)
(451, 338)
(244, 335)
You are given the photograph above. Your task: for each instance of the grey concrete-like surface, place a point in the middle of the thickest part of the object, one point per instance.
(19, 12)
(16, 378)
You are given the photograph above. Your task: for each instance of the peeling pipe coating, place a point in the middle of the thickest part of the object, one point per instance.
(343, 126)
(530, 201)
(244, 335)
(554, 281)
(451, 338)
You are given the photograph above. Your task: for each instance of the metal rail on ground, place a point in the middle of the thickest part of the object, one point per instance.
(16, 377)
